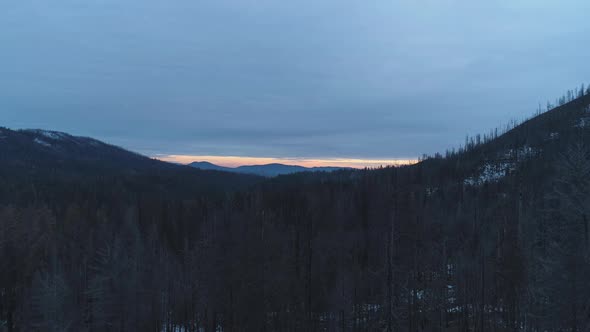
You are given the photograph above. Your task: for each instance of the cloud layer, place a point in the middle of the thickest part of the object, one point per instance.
(306, 79)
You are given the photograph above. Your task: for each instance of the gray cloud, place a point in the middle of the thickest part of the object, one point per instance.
(286, 79)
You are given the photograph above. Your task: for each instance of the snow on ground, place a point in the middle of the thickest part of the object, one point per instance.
(490, 172)
(526, 152)
(42, 142)
(521, 153)
(47, 134)
(50, 134)
(495, 170)
(553, 136)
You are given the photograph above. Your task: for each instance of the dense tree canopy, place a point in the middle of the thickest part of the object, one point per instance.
(493, 237)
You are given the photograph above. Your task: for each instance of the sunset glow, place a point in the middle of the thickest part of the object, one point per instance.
(231, 161)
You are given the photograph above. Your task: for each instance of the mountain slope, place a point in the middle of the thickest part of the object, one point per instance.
(529, 148)
(45, 149)
(42, 156)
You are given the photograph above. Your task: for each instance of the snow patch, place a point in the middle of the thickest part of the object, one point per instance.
(42, 142)
(54, 135)
(553, 136)
(490, 172)
(521, 153)
(526, 152)
(454, 309)
(506, 162)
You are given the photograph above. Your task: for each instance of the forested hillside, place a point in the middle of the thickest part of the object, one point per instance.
(491, 237)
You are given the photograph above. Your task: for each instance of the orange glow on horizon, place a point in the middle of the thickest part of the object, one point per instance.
(234, 161)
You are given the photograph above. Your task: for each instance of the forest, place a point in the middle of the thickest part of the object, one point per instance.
(493, 236)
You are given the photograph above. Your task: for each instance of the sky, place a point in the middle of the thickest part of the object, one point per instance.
(311, 82)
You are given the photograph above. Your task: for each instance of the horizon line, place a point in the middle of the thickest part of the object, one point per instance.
(236, 161)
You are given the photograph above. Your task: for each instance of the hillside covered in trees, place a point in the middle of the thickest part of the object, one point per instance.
(493, 236)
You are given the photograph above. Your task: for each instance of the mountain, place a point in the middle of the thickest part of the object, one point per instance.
(43, 156)
(268, 170)
(37, 150)
(43, 149)
(205, 165)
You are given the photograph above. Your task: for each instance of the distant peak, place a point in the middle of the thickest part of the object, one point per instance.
(269, 170)
(202, 163)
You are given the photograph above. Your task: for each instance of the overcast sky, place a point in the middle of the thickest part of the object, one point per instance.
(379, 79)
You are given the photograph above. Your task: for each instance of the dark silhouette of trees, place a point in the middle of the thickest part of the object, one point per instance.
(493, 236)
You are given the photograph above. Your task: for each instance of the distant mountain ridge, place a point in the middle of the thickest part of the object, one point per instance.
(268, 170)
(45, 155)
(42, 153)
